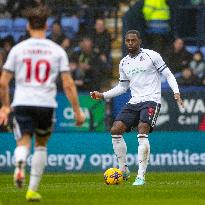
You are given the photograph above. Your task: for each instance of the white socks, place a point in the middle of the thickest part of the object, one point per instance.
(21, 153)
(37, 167)
(143, 154)
(120, 149)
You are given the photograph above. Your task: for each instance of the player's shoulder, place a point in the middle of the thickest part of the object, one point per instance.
(19, 46)
(125, 59)
(149, 52)
(52, 43)
(55, 47)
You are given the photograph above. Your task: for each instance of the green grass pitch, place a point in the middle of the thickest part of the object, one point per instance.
(79, 189)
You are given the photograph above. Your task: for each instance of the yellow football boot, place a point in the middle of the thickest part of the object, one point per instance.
(33, 196)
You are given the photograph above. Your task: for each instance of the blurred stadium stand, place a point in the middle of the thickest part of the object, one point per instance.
(70, 26)
(50, 22)
(18, 28)
(5, 27)
(188, 24)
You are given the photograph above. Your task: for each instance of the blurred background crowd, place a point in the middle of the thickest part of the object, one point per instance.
(91, 32)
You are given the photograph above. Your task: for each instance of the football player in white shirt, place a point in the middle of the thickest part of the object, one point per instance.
(140, 71)
(35, 63)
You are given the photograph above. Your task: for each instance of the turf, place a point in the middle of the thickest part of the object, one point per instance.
(79, 189)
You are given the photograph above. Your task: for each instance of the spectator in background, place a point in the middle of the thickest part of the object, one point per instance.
(197, 2)
(57, 33)
(4, 13)
(90, 65)
(101, 40)
(177, 56)
(158, 29)
(202, 81)
(198, 65)
(77, 74)
(17, 6)
(188, 78)
(7, 44)
(66, 44)
(105, 3)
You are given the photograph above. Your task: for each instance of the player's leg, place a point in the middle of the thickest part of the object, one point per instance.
(22, 128)
(43, 126)
(148, 117)
(21, 152)
(123, 122)
(38, 164)
(119, 146)
(143, 152)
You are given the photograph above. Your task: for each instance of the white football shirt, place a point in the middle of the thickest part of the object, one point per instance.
(143, 73)
(36, 64)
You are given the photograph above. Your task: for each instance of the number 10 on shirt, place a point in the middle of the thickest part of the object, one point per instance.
(35, 70)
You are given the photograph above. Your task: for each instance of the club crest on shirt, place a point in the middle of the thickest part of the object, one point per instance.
(141, 58)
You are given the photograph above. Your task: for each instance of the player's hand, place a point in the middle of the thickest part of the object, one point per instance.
(96, 95)
(4, 115)
(177, 97)
(80, 118)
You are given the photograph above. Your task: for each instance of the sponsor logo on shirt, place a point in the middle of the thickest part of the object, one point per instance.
(136, 71)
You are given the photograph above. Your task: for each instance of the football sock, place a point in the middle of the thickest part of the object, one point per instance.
(143, 154)
(38, 164)
(120, 149)
(21, 153)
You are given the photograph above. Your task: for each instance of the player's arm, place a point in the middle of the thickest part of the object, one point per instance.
(71, 93)
(165, 71)
(117, 90)
(5, 78)
(121, 88)
(173, 84)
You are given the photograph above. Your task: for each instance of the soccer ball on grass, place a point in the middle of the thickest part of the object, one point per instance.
(113, 176)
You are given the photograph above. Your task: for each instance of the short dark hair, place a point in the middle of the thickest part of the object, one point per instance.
(37, 16)
(133, 32)
(84, 38)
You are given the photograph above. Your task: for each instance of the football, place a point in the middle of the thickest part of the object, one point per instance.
(113, 176)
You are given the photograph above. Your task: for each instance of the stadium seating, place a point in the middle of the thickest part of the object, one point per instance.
(19, 28)
(50, 22)
(70, 26)
(202, 49)
(192, 49)
(5, 27)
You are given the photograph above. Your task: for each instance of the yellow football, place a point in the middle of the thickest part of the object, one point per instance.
(113, 176)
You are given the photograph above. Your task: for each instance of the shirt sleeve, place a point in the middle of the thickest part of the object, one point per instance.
(159, 62)
(171, 80)
(165, 71)
(10, 61)
(117, 90)
(123, 76)
(64, 62)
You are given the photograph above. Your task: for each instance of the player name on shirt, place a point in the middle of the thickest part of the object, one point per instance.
(37, 52)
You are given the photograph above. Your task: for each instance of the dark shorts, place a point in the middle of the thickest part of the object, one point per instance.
(32, 120)
(132, 114)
